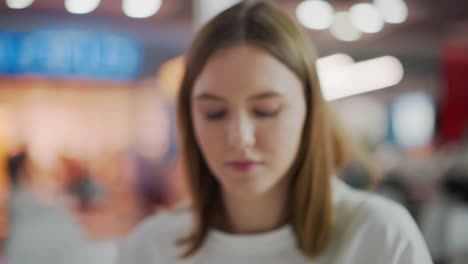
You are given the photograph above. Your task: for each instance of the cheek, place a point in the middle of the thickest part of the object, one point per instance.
(281, 140)
(209, 137)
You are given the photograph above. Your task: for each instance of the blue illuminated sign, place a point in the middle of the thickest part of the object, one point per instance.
(70, 52)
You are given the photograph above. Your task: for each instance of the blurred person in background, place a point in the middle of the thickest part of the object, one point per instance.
(41, 229)
(262, 152)
(79, 185)
(44, 227)
(114, 207)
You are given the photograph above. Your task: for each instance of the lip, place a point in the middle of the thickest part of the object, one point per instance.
(243, 165)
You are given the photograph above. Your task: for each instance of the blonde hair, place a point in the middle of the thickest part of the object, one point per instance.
(324, 148)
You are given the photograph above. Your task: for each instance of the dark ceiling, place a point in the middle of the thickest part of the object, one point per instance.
(438, 19)
(430, 24)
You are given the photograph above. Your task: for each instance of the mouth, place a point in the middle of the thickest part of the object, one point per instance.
(244, 165)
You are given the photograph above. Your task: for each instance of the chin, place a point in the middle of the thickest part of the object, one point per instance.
(245, 187)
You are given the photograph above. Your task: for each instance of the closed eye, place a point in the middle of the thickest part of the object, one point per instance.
(266, 114)
(218, 115)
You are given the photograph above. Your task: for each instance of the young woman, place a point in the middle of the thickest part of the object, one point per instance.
(261, 151)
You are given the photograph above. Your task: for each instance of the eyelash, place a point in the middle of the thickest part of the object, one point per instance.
(264, 114)
(221, 114)
(216, 115)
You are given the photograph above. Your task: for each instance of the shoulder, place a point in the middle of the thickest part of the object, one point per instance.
(379, 226)
(364, 208)
(375, 209)
(155, 238)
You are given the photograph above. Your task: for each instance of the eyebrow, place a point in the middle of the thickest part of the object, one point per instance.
(208, 96)
(260, 96)
(265, 95)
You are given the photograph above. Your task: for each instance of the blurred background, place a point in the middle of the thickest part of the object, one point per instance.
(87, 92)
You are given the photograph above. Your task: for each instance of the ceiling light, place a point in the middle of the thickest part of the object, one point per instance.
(315, 14)
(141, 8)
(393, 11)
(342, 28)
(19, 4)
(361, 77)
(81, 6)
(366, 17)
(333, 62)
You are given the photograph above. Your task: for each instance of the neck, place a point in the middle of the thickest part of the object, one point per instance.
(255, 214)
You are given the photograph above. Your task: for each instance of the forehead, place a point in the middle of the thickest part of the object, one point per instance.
(244, 70)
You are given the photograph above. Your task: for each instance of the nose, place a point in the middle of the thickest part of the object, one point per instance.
(241, 132)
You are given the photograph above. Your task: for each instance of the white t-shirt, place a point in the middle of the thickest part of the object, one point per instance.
(370, 229)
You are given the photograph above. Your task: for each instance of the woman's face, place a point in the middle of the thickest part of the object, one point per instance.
(248, 112)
